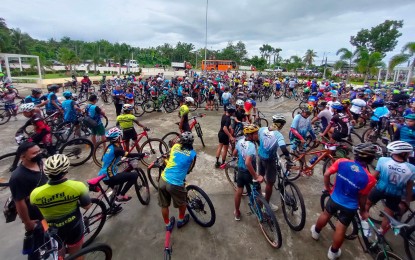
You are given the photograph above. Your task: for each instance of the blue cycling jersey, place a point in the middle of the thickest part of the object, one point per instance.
(91, 111)
(69, 110)
(269, 141)
(178, 165)
(406, 134)
(302, 125)
(31, 99)
(245, 148)
(110, 160)
(393, 176)
(379, 113)
(49, 106)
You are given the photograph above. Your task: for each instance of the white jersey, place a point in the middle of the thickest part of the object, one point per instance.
(357, 105)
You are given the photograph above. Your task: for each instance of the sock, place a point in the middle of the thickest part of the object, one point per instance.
(217, 159)
(181, 217)
(167, 222)
(334, 250)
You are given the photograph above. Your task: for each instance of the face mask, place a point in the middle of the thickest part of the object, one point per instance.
(36, 159)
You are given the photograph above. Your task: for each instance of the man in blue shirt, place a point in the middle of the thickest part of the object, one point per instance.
(36, 98)
(181, 161)
(380, 112)
(300, 127)
(406, 133)
(53, 102)
(70, 110)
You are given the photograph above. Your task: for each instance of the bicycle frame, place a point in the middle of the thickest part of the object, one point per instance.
(253, 205)
(326, 153)
(140, 136)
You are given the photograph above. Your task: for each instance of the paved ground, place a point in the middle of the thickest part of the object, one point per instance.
(138, 231)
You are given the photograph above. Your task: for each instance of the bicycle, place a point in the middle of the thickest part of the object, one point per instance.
(150, 146)
(6, 111)
(172, 138)
(50, 248)
(260, 120)
(104, 205)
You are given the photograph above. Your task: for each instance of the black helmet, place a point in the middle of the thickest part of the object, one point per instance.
(36, 91)
(365, 150)
(231, 109)
(53, 87)
(187, 138)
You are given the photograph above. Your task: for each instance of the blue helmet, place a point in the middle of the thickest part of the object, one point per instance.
(67, 94)
(113, 134)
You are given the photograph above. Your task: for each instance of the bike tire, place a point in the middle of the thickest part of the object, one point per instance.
(387, 255)
(231, 173)
(296, 111)
(197, 207)
(138, 109)
(369, 136)
(169, 106)
(4, 116)
(99, 152)
(75, 152)
(153, 174)
(155, 147)
(292, 201)
(141, 187)
(148, 106)
(355, 138)
(171, 138)
(6, 161)
(360, 125)
(409, 242)
(193, 107)
(199, 133)
(104, 120)
(295, 171)
(93, 250)
(268, 220)
(295, 95)
(261, 122)
(352, 233)
(97, 213)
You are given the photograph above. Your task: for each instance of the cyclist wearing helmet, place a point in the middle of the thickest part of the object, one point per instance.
(36, 98)
(405, 133)
(59, 201)
(95, 112)
(225, 135)
(300, 127)
(112, 156)
(211, 97)
(269, 140)
(8, 98)
(380, 112)
(246, 152)
(181, 161)
(399, 96)
(42, 130)
(184, 115)
(126, 122)
(53, 102)
(353, 184)
(357, 105)
(85, 83)
(324, 115)
(395, 179)
(226, 98)
(70, 111)
(250, 105)
(338, 127)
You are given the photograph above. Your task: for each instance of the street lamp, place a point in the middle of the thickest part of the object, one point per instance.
(325, 65)
(207, 4)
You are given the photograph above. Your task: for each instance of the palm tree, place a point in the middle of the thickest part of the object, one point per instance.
(346, 55)
(266, 51)
(276, 53)
(368, 63)
(407, 54)
(19, 41)
(309, 57)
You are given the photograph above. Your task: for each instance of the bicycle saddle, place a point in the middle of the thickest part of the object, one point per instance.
(95, 180)
(393, 222)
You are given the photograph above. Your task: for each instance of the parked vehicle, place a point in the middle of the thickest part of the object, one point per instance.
(181, 65)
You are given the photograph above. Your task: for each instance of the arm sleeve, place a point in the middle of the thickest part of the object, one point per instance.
(118, 151)
(97, 110)
(84, 199)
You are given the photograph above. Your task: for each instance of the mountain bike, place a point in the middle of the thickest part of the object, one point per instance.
(260, 120)
(105, 205)
(172, 138)
(7, 111)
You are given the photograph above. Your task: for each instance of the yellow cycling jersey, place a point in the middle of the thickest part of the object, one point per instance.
(126, 121)
(184, 110)
(56, 201)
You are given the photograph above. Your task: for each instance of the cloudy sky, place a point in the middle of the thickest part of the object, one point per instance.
(292, 25)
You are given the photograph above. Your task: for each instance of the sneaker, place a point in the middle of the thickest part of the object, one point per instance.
(115, 210)
(217, 164)
(182, 223)
(273, 207)
(237, 215)
(314, 233)
(170, 226)
(331, 255)
(121, 198)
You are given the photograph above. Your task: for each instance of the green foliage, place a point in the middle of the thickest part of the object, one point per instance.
(381, 38)
(259, 62)
(309, 56)
(368, 63)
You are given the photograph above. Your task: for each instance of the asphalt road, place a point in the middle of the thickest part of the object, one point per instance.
(138, 231)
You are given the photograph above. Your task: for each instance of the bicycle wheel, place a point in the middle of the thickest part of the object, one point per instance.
(387, 255)
(4, 116)
(169, 105)
(94, 219)
(231, 172)
(409, 242)
(200, 206)
(153, 174)
(360, 123)
(354, 138)
(261, 122)
(295, 171)
(199, 133)
(268, 223)
(6, 162)
(154, 147)
(293, 206)
(171, 138)
(296, 112)
(97, 251)
(295, 95)
(352, 230)
(104, 120)
(78, 150)
(193, 107)
(141, 187)
(99, 151)
(370, 136)
(148, 106)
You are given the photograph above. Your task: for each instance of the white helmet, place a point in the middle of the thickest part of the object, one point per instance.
(189, 100)
(56, 164)
(239, 102)
(398, 147)
(377, 92)
(159, 79)
(27, 107)
(127, 107)
(278, 118)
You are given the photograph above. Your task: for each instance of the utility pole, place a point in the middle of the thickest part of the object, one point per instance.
(325, 68)
(207, 4)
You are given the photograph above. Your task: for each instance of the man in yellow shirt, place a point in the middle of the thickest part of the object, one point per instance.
(184, 115)
(126, 122)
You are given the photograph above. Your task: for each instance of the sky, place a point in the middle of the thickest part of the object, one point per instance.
(292, 25)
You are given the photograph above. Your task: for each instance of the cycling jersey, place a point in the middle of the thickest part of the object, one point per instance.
(394, 176)
(301, 124)
(269, 141)
(245, 148)
(50, 108)
(32, 99)
(325, 117)
(249, 105)
(357, 105)
(58, 201)
(341, 123)
(180, 91)
(9, 97)
(379, 113)
(178, 165)
(408, 111)
(126, 121)
(93, 112)
(69, 110)
(226, 98)
(110, 160)
(352, 180)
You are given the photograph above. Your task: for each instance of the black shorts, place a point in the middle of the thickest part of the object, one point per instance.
(290, 89)
(211, 97)
(223, 138)
(244, 179)
(128, 134)
(225, 107)
(268, 168)
(344, 214)
(355, 116)
(71, 233)
(391, 201)
(338, 136)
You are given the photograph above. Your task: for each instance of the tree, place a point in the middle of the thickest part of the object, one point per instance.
(19, 41)
(276, 53)
(368, 63)
(381, 38)
(345, 56)
(408, 53)
(68, 57)
(266, 51)
(309, 57)
(258, 62)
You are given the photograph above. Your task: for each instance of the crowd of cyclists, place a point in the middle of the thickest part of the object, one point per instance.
(336, 109)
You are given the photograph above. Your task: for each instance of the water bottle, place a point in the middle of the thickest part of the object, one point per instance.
(365, 227)
(313, 160)
(28, 243)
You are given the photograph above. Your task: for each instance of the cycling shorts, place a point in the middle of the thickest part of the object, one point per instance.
(211, 97)
(338, 136)
(267, 168)
(391, 201)
(355, 116)
(344, 214)
(223, 138)
(244, 179)
(277, 88)
(168, 191)
(128, 134)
